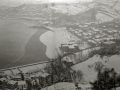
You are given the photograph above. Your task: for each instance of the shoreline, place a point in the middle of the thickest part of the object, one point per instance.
(34, 50)
(53, 41)
(47, 39)
(17, 34)
(41, 30)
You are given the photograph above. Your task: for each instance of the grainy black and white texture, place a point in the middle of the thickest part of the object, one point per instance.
(59, 44)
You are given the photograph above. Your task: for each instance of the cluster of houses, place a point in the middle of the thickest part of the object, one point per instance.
(33, 77)
(96, 35)
(16, 78)
(69, 47)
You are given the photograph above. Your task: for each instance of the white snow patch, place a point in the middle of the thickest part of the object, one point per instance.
(48, 39)
(53, 41)
(90, 73)
(103, 18)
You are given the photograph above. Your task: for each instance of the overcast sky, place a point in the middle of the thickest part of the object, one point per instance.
(16, 2)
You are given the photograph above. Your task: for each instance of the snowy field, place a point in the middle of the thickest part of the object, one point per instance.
(103, 18)
(69, 9)
(65, 86)
(89, 73)
(53, 41)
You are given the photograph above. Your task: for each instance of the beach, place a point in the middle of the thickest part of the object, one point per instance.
(26, 45)
(48, 39)
(53, 41)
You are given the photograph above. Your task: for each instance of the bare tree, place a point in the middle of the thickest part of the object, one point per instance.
(98, 66)
(79, 75)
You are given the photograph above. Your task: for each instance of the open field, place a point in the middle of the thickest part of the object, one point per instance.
(89, 72)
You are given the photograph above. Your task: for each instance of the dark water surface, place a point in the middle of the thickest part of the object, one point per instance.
(20, 44)
(34, 50)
